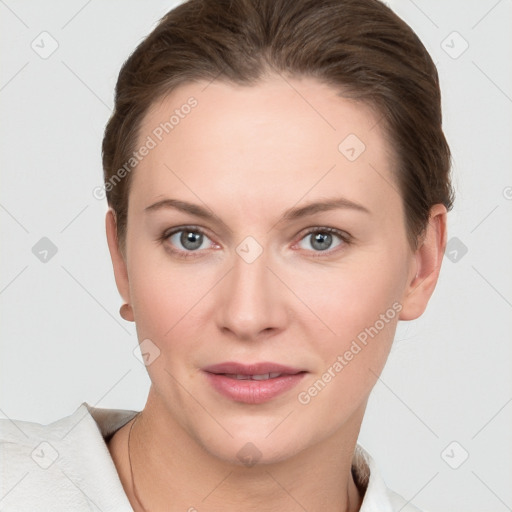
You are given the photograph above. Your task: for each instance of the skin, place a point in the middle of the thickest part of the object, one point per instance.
(248, 154)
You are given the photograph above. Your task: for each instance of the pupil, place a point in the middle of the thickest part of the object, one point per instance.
(322, 238)
(191, 240)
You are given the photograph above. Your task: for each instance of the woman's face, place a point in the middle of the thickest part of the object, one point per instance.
(228, 261)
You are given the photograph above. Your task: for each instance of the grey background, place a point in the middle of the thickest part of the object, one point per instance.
(449, 375)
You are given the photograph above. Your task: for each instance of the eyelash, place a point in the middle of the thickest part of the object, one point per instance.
(344, 237)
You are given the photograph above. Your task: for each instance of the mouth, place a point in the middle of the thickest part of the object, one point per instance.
(253, 383)
(263, 376)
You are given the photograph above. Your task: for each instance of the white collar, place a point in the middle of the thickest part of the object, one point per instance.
(84, 477)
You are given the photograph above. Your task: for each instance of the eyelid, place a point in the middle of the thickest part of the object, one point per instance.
(324, 229)
(190, 227)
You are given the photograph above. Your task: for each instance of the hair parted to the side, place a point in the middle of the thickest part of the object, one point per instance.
(359, 47)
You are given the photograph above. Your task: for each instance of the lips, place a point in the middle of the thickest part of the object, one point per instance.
(232, 368)
(252, 383)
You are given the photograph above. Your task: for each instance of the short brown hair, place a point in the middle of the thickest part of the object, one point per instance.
(360, 47)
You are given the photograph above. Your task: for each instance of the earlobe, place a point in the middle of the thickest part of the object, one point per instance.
(118, 263)
(126, 313)
(428, 260)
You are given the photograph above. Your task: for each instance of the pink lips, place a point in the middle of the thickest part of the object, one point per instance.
(253, 383)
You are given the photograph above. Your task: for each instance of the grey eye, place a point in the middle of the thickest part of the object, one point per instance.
(188, 239)
(321, 240)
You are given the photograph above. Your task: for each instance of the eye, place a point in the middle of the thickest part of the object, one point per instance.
(189, 241)
(323, 239)
(186, 240)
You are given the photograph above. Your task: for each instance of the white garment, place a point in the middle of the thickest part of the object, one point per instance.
(66, 466)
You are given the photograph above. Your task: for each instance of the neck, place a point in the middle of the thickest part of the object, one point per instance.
(172, 472)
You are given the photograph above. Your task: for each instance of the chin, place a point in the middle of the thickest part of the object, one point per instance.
(247, 453)
(254, 442)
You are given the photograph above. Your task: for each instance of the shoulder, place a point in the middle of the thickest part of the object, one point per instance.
(24, 444)
(61, 466)
(377, 496)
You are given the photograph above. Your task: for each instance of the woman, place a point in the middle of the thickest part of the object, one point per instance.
(278, 184)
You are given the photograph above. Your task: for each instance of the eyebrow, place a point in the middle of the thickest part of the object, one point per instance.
(289, 215)
(323, 206)
(184, 206)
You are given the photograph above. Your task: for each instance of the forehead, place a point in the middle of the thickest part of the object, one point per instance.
(285, 136)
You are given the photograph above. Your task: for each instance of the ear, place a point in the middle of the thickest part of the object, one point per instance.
(118, 262)
(427, 265)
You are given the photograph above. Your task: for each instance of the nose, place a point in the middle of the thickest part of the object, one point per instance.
(251, 300)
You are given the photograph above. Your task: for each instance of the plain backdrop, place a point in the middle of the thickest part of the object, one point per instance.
(439, 419)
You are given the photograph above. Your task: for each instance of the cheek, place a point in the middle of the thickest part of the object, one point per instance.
(348, 299)
(168, 299)
(351, 364)
(362, 307)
